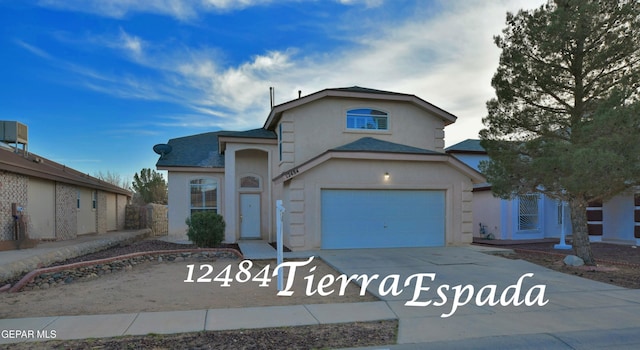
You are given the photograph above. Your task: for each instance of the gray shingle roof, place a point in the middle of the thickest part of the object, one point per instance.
(370, 144)
(199, 150)
(259, 133)
(466, 146)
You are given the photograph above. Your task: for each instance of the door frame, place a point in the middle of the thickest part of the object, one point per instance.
(255, 196)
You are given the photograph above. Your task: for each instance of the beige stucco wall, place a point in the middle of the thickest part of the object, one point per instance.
(112, 218)
(86, 214)
(41, 208)
(486, 210)
(179, 196)
(302, 194)
(254, 162)
(314, 128)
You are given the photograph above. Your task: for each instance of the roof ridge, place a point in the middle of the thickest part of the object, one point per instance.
(372, 144)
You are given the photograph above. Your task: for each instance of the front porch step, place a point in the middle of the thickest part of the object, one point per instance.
(262, 250)
(256, 250)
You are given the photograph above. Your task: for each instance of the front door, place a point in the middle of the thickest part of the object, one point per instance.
(249, 215)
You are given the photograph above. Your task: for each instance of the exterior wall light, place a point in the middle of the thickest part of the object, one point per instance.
(386, 176)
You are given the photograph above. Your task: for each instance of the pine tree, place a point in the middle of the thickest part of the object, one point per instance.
(566, 118)
(150, 187)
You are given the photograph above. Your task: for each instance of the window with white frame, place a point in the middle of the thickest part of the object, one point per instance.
(94, 200)
(367, 119)
(203, 195)
(528, 215)
(78, 199)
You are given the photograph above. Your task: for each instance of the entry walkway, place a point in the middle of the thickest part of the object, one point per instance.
(261, 250)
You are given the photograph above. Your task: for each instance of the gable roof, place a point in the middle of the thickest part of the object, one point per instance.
(360, 93)
(33, 165)
(369, 148)
(466, 146)
(370, 144)
(199, 150)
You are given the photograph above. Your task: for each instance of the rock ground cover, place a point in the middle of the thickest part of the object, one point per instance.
(617, 264)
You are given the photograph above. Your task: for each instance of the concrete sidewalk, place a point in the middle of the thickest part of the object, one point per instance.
(99, 326)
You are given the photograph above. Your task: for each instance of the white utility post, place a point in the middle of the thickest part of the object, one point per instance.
(279, 211)
(562, 244)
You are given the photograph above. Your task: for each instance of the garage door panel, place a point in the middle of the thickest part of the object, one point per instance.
(382, 218)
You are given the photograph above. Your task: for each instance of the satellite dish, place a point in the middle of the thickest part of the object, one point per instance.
(162, 149)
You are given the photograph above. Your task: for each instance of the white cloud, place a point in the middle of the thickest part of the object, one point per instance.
(368, 3)
(131, 43)
(183, 10)
(34, 50)
(180, 9)
(447, 59)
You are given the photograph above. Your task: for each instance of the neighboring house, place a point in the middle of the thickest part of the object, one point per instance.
(354, 167)
(536, 216)
(58, 202)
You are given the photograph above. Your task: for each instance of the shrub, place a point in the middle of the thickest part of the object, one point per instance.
(206, 229)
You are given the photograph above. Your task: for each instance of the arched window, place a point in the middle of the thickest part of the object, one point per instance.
(250, 181)
(204, 195)
(367, 118)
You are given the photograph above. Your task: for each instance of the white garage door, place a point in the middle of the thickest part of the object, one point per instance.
(382, 218)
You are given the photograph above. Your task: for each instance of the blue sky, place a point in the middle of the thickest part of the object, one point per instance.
(99, 82)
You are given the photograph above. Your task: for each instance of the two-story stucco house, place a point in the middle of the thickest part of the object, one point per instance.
(354, 167)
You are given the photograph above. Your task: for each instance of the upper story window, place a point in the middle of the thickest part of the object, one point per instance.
(367, 119)
(204, 195)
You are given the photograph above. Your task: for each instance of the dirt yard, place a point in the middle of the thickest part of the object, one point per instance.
(161, 286)
(617, 264)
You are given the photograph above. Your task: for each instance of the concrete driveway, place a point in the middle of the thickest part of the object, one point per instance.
(572, 304)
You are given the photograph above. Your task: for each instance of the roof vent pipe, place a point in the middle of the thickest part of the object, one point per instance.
(271, 95)
(299, 93)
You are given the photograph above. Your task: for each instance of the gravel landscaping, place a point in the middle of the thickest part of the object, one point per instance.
(618, 264)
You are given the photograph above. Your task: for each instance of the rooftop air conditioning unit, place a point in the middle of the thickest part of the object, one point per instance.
(13, 132)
